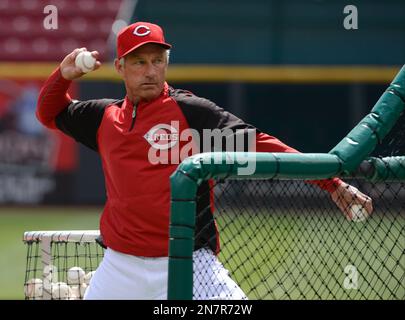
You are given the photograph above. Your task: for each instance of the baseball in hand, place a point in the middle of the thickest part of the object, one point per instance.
(358, 213)
(85, 61)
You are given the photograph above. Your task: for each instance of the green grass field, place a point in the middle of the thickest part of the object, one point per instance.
(14, 222)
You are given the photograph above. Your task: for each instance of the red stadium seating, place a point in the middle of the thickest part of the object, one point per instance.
(81, 23)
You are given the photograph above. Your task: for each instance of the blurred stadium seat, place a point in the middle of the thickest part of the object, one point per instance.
(80, 23)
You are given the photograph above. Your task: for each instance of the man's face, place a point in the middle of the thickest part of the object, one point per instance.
(144, 72)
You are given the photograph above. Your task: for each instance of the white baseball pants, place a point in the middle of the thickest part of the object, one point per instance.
(126, 277)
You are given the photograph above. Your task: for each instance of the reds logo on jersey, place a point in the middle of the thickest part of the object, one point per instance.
(162, 136)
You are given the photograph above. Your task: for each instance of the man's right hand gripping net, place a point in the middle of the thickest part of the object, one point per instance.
(288, 240)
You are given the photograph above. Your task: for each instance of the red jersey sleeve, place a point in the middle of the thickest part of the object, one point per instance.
(53, 99)
(267, 143)
(78, 119)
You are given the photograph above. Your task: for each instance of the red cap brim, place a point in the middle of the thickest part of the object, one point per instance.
(163, 44)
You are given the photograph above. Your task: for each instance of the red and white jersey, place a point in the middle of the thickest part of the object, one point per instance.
(135, 219)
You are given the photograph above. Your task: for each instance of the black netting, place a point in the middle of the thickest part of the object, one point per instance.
(67, 273)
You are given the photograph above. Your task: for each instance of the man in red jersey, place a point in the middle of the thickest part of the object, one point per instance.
(135, 221)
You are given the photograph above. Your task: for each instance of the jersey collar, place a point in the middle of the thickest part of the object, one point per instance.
(128, 106)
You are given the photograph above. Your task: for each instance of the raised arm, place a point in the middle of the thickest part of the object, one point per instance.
(53, 97)
(56, 110)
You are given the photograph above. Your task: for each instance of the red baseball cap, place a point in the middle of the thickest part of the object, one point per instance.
(138, 34)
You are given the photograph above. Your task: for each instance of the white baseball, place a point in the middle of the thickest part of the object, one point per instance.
(74, 293)
(75, 275)
(358, 212)
(77, 292)
(33, 288)
(88, 277)
(85, 61)
(61, 290)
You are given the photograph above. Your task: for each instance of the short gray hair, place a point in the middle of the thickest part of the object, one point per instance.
(167, 54)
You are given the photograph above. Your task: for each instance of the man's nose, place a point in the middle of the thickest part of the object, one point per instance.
(150, 70)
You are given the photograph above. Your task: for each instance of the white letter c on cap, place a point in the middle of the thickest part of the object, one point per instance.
(141, 34)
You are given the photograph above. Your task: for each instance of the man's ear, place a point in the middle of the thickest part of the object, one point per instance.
(119, 67)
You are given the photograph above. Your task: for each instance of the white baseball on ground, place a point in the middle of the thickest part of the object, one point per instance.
(85, 61)
(75, 276)
(33, 288)
(358, 212)
(61, 290)
(77, 291)
(74, 293)
(88, 277)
